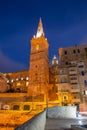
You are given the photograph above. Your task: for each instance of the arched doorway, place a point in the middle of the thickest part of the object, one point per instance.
(65, 100)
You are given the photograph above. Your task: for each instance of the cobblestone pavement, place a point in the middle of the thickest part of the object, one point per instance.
(64, 124)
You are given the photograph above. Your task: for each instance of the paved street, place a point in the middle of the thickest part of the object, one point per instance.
(64, 124)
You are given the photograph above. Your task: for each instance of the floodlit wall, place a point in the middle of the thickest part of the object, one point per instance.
(36, 123)
(62, 112)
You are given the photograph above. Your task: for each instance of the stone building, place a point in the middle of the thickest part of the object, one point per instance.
(73, 55)
(18, 81)
(64, 82)
(75, 59)
(39, 63)
(3, 83)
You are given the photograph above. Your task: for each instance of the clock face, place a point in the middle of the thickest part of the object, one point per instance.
(37, 47)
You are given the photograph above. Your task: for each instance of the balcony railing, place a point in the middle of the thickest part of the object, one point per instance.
(76, 100)
(72, 72)
(63, 82)
(61, 73)
(75, 90)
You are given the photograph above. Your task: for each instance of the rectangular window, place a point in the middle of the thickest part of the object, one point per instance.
(81, 66)
(85, 92)
(85, 82)
(74, 97)
(82, 73)
(78, 51)
(65, 52)
(85, 49)
(73, 78)
(66, 63)
(74, 51)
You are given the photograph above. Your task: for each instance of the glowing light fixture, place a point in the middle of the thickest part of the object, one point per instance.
(16, 79)
(34, 36)
(18, 84)
(7, 81)
(80, 122)
(37, 47)
(22, 78)
(27, 78)
(27, 83)
(85, 92)
(12, 80)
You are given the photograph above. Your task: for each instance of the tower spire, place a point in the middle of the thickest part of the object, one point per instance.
(40, 29)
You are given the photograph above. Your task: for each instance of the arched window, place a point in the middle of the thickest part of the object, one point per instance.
(74, 51)
(63, 80)
(16, 107)
(65, 52)
(26, 107)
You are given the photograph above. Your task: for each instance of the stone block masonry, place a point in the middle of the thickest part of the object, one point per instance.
(62, 112)
(36, 123)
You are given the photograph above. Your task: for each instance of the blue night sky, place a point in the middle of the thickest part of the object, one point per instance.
(64, 22)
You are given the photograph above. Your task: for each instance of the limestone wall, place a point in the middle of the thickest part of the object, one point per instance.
(83, 107)
(3, 83)
(62, 112)
(2, 95)
(36, 123)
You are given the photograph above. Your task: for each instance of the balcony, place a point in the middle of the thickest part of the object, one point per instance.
(64, 82)
(72, 83)
(76, 100)
(75, 90)
(63, 73)
(72, 72)
(64, 91)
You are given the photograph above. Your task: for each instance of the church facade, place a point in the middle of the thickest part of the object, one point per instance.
(62, 83)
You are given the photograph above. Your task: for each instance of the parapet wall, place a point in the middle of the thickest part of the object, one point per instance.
(36, 123)
(62, 112)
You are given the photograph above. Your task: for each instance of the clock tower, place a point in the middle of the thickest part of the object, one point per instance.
(39, 63)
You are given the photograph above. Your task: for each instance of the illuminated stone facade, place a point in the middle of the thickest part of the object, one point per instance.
(64, 82)
(18, 81)
(39, 63)
(75, 58)
(3, 83)
(73, 55)
(68, 93)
